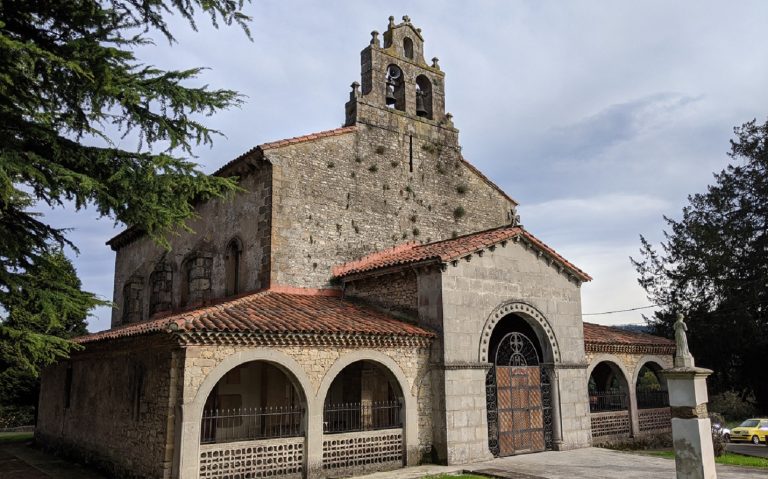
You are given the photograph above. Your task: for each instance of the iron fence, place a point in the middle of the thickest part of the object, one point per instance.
(243, 424)
(600, 401)
(350, 417)
(652, 399)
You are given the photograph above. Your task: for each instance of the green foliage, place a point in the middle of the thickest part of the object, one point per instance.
(68, 76)
(713, 267)
(16, 416)
(462, 189)
(459, 212)
(380, 150)
(373, 168)
(733, 406)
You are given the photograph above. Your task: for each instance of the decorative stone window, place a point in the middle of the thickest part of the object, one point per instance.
(395, 88)
(424, 97)
(196, 279)
(161, 282)
(408, 48)
(233, 261)
(133, 304)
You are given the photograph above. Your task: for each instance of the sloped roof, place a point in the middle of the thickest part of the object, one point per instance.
(273, 312)
(450, 250)
(599, 338)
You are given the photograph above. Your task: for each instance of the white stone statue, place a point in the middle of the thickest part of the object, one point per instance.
(683, 356)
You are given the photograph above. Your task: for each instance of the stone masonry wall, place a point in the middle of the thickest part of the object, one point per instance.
(246, 216)
(121, 408)
(396, 292)
(342, 197)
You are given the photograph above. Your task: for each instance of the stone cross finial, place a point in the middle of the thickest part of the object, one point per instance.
(434, 63)
(406, 19)
(375, 38)
(683, 357)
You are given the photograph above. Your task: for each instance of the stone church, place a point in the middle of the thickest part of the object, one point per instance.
(369, 301)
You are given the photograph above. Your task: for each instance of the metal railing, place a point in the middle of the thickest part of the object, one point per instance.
(600, 401)
(350, 417)
(652, 399)
(243, 424)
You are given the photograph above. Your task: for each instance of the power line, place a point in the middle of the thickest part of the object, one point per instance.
(623, 310)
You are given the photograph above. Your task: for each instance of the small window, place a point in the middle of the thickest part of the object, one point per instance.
(408, 48)
(395, 88)
(234, 267)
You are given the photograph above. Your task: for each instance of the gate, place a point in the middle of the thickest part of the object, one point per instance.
(518, 399)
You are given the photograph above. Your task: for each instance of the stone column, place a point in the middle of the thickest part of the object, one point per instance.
(314, 439)
(691, 427)
(557, 430)
(634, 418)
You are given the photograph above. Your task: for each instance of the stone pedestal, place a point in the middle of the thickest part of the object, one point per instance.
(691, 427)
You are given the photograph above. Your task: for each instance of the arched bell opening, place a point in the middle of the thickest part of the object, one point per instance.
(518, 390)
(408, 48)
(395, 88)
(608, 388)
(424, 97)
(651, 387)
(364, 396)
(253, 401)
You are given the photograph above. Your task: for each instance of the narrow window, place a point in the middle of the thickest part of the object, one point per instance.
(233, 268)
(68, 387)
(410, 152)
(186, 269)
(395, 88)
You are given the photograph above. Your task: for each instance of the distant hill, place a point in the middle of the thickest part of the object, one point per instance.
(635, 328)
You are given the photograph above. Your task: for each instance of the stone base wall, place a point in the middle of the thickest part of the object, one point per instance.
(120, 414)
(396, 293)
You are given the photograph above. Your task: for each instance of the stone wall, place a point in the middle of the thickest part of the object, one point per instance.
(121, 406)
(341, 197)
(246, 216)
(473, 294)
(396, 293)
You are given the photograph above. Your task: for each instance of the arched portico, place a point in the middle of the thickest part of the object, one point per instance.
(191, 417)
(375, 407)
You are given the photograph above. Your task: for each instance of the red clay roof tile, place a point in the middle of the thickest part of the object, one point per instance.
(449, 250)
(276, 313)
(599, 334)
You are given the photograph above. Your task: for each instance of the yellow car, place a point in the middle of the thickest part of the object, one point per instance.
(753, 430)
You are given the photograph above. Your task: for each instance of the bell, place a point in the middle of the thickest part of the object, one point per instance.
(420, 110)
(391, 100)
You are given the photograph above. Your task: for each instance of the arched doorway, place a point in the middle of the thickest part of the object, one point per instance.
(363, 420)
(651, 387)
(518, 392)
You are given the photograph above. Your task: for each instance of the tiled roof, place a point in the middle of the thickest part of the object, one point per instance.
(270, 312)
(131, 233)
(598, 337)
(449, 250)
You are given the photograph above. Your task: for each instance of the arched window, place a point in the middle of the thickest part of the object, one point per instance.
(234, 267)
(408, 48)
(133, 304)
(161, 282)
(395, 88)
(424, 97)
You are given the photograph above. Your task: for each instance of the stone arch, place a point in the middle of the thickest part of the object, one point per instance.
(533, 317)
(394, 87)
(659, 361)
(613, 400)
(192, 411)
(424, 96)
(410, 403)
(609, 358)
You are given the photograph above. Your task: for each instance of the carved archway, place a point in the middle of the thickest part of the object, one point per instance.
(533, 317)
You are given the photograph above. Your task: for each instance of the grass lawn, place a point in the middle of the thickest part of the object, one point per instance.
(6, 437)
(728, 458)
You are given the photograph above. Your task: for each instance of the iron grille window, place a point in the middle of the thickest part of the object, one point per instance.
(652, 399)
(601, 401)
(244, 424)
(350, 417)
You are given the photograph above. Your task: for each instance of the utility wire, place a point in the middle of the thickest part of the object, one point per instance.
(624, 310)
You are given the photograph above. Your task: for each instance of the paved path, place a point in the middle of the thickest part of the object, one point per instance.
(589, 463)
(22, 461)
(749, 449)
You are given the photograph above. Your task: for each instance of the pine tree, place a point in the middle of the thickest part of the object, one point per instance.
(68, 75)
(713, 267)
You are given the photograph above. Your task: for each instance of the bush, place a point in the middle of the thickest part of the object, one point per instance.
(16, 416)
(732, 406)
(641, 443)
(718, 443)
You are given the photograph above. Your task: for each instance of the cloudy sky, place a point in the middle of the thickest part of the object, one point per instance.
(599, 117)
